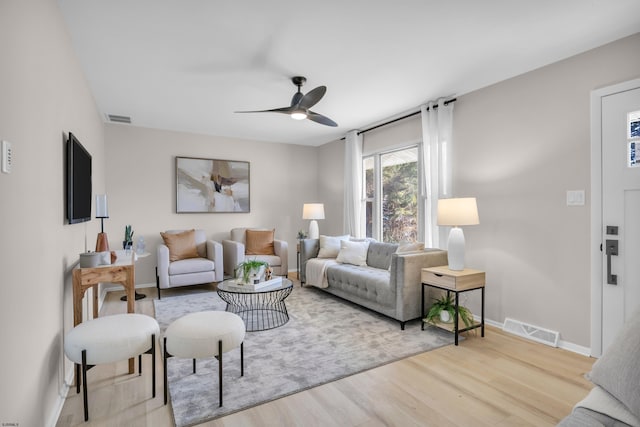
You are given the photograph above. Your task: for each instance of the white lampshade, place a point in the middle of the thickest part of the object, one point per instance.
(102, 211)
(456, 212)
(313, 211)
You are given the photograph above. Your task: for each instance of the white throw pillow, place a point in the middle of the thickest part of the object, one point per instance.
(330, 246)
(410, 247)
(353, 252)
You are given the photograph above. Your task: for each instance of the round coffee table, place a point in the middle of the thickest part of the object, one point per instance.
(261, 309)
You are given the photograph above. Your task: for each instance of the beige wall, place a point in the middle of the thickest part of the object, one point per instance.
(43, 96)
(141, 187)
(519, 146)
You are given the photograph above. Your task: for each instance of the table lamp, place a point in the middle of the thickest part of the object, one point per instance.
(457, 212)
(102, 212)
(313, 211)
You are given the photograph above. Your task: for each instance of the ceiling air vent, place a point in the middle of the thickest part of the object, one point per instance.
(119, 119)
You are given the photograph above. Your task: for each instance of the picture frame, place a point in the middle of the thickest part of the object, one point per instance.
(212, 185)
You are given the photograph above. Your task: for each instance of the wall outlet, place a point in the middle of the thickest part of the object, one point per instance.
(7, 157)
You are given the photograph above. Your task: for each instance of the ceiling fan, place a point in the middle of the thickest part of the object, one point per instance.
(300, 104)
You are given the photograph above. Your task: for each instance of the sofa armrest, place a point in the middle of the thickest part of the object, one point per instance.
(163, 266)
(214, 253)
(233, 255)
(309, 248)
(281, 249)
(406, 270)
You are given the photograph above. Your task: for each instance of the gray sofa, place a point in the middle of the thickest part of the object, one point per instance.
(615, 399)
(389, 283)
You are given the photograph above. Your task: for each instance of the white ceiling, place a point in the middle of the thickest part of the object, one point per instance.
(188, 65)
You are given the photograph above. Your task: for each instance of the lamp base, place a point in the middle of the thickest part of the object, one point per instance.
(102, 244)
(455, 248)
(314, 232)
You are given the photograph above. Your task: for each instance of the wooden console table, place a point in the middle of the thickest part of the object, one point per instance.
(122, 272)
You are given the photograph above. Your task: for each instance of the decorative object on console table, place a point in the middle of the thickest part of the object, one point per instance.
(313, 211)
(102, 212)
(454, 282)
(127, 243)
(457, 212)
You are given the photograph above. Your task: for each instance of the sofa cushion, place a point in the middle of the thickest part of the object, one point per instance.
(259, 242)
(364, 283)
(330, 246)
(181, 245)
(353, 252)
(379, 254)
(618, 370)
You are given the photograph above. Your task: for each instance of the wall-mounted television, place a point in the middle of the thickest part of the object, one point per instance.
(78, 181)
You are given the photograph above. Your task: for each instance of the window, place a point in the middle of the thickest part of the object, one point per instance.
(392, 207)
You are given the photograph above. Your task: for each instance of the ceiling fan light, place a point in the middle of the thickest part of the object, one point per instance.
(298, 115)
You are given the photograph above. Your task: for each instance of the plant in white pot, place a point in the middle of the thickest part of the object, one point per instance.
(251, 271)
(443, 310)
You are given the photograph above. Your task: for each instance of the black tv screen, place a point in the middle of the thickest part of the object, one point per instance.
(78, 181)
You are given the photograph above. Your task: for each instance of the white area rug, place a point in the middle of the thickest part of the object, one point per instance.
(325, 339)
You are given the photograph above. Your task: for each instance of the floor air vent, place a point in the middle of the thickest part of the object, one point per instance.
(535, 333)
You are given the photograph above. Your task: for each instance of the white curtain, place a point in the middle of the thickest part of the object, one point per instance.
(353, 222)
(437, 175)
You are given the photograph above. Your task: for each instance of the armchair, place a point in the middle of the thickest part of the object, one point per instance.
(187, 257)
(235, 251)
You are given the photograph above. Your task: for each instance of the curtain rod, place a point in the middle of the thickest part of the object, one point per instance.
(401, 118)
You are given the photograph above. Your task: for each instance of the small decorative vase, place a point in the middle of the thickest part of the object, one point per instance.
(445, 317)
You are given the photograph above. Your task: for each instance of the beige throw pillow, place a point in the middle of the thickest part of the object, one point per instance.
(181, 245)
(259, 242)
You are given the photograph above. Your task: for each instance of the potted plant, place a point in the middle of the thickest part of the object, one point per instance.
(302, 234)
(443, 310)
(251, 270)
(127, 243)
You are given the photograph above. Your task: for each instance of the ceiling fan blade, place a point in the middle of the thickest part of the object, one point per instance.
(284, 110)
(312, 97)
(319, 118)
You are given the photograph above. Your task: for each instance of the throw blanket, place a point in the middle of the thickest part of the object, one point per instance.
(317, 271)
(598, 400)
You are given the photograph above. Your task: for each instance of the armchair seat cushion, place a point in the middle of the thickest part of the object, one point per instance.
(191, 265)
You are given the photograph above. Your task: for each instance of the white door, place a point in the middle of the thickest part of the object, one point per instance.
(620, 210)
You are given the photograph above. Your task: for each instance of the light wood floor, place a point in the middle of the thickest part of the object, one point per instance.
(499, 380)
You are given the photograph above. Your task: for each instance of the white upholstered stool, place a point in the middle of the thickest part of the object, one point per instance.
(204, 334)
(110, 339)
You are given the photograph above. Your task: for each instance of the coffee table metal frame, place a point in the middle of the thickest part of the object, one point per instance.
(261, 309)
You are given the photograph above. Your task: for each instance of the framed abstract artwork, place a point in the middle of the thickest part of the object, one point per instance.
(211, 185)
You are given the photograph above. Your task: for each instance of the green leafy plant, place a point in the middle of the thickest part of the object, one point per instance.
(245, 268)
(302, 234)
(446, 303)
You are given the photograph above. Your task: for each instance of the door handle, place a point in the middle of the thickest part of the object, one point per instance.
(611, 250)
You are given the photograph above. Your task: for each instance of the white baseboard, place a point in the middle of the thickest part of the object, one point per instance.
(62, 396)
(565, 345)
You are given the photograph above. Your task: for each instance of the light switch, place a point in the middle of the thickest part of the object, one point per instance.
(6, 157)
(575, 197)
